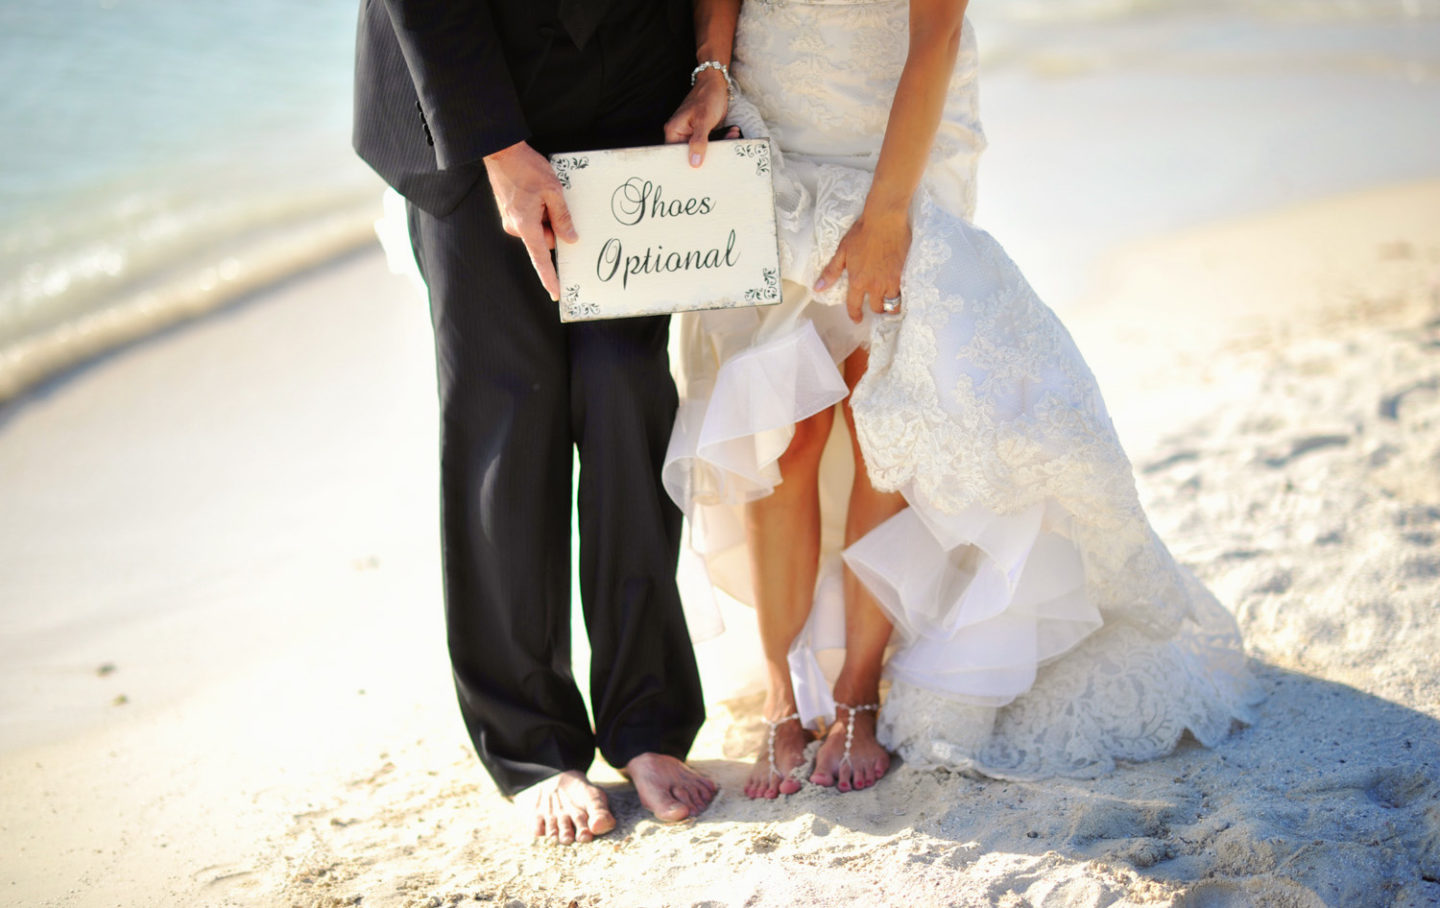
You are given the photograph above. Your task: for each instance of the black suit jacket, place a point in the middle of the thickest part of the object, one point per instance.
(439, 84)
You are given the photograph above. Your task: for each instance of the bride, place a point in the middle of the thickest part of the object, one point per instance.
(969, 511)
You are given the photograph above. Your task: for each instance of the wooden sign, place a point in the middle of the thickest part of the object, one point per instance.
(657, 235)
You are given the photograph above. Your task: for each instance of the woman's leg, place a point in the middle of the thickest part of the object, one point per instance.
(784, 533)
(867, 630)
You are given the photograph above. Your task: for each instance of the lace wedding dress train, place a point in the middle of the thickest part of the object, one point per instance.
(1041, 628)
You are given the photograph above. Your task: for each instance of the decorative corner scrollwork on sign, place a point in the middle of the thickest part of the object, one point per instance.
(759, 152)
(769, 293)
(575, 309)
(563, 164)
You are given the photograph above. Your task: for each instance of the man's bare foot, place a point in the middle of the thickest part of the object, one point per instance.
(668, 787)
(567, 808)
(868, 760)
(790, 738)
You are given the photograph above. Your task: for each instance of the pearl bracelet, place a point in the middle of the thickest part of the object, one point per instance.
(724, 71)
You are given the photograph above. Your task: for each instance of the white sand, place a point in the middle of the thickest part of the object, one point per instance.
(222, 673)
(1295, 467)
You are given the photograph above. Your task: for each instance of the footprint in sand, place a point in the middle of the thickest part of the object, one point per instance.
(1390, 403)
(1426, 568)
(1165, 463)
(223, 876)
(1275, 584)
(1418, 516)
(1305, 446)
(1397, 789)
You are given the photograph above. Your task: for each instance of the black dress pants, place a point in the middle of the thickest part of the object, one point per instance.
(517, 390)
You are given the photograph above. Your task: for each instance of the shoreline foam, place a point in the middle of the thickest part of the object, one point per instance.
(245, 265)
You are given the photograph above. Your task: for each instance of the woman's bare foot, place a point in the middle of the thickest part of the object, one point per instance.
(868, 760)
(771, 781)
(567, 808)
(668, 787)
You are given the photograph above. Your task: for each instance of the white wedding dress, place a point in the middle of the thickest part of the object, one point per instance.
(1041, 628)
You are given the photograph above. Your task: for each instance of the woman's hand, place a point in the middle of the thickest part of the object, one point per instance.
(701, 111)
(873, 253)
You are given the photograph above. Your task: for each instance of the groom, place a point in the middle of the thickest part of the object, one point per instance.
(456, 102)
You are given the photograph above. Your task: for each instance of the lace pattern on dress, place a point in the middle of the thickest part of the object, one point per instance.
(975, 397)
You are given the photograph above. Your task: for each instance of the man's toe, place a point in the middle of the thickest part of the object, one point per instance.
(567, 829)
(669, 810)
(672, 808)
(580, 822)
(687, 795)
(700, 794)
(706, 793)
(601, 820)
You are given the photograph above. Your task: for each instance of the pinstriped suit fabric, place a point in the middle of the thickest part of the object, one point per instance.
(518, 392)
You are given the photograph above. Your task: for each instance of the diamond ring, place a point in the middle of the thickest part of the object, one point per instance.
(890, 304)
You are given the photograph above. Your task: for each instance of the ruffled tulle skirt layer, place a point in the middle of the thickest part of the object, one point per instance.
(1041, 628)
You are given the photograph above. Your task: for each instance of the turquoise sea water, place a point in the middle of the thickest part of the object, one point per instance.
(144, 139)
(143, 136)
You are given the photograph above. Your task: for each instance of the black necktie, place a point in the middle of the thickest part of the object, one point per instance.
(582, 17)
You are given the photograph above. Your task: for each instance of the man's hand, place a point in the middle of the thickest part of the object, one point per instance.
(531, 206)
(700, 112)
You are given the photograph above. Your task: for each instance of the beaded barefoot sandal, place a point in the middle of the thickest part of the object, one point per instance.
(850, 726)
(801, 772)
